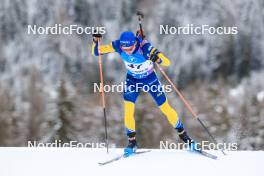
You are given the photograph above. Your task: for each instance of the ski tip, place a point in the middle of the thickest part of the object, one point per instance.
(101, 164)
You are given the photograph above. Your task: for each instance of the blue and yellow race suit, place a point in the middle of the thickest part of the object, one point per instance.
(140, 73)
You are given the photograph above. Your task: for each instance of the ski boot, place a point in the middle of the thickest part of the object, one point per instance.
(132, 145)
(186, 139)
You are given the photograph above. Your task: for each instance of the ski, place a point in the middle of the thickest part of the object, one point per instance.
(206, 154)
(122, 156)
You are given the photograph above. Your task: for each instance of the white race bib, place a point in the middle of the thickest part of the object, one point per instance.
(139, 68)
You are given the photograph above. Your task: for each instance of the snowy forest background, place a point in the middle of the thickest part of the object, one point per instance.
(46, 81)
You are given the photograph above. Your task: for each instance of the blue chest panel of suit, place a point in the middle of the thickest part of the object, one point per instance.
(137, 64)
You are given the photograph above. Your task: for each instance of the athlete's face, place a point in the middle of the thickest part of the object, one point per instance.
(129, 50)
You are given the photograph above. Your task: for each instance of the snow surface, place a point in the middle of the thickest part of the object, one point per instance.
(84, 161)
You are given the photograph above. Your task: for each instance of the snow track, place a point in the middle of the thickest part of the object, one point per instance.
(84, 162)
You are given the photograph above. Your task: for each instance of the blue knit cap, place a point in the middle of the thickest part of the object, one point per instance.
(127, 39)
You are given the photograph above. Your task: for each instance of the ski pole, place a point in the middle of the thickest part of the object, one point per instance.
(103, 94)
(140, 16)
(186, 103)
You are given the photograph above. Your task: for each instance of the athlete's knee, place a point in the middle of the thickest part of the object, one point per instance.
(130, 96)
(169, 112)
(165, 106)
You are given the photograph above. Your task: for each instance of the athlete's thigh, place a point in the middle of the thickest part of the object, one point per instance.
(156, 90)
(131, 92)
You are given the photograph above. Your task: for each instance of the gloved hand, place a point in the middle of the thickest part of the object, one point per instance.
(154, 56)
(138, 34)
(96, 37)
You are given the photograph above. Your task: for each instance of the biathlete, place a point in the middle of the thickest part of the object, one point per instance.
(139, 57)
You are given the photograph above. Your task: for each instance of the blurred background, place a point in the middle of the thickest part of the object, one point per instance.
(46, 81)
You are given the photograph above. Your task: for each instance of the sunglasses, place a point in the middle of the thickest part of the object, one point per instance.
(128, 49)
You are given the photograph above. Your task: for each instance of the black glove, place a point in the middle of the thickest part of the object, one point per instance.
(138, 34)
(154, 56)
(96, 37)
